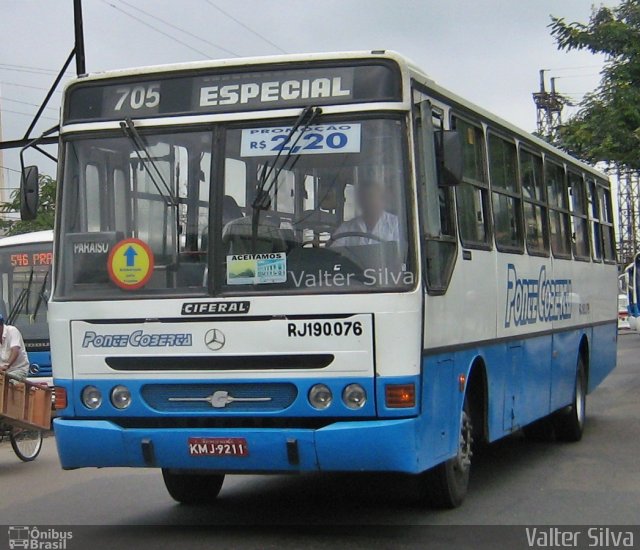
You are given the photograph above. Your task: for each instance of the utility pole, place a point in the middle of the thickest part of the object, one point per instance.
(79, 37)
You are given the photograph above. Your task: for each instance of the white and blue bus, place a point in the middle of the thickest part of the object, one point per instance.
(629, 285)
(317, 263)
(25, 272)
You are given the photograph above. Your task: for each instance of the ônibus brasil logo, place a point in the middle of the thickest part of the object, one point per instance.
(34, 538)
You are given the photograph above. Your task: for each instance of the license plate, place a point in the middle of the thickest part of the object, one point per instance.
(218, 446)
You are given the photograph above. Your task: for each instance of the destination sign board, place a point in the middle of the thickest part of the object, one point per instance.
(223, 91)
(31, 259)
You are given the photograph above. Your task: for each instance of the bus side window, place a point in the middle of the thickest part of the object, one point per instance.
(606, 223)
(284, 192)
(594, 220)
(436, 206)
(579, 223)
(92, 198)
(558, 209)
(507, 212)
(535, 209)
(121, 201)
(472, 193)
(235, 181)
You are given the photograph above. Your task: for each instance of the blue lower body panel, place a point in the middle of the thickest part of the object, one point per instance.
(39, 363)
(380, 445)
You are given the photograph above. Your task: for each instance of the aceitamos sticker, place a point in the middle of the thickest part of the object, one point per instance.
(256, 269)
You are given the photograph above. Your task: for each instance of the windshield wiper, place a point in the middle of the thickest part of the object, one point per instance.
(42, 298)
(131, 132)
(23, 298)
(261, 200)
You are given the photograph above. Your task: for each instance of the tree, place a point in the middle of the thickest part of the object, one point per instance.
(607, 125)
(46, 209)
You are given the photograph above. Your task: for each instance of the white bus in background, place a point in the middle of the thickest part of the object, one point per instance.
(25, 284)
(317, 262)
(629, 282)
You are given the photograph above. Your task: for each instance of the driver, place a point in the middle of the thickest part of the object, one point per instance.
(373, 218)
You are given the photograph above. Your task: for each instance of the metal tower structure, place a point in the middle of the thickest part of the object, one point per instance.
(549, 110)
(628, 215)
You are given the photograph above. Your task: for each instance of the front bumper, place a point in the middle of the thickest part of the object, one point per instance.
(372, 445)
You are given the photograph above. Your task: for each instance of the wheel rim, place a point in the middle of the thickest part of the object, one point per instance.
(580, 400)
(28, 442)
(463, 458)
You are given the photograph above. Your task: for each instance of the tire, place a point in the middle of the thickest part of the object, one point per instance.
(188, 488)
(26, 443)
(446, 485)
(569, 423)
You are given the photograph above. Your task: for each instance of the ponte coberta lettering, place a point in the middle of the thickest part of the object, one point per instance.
(137, 339)
(531, 300)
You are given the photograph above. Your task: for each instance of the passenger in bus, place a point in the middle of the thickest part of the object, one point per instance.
(13, 356)
(373, 220)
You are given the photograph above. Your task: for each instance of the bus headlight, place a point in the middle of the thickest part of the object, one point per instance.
(354, 396)
(91, 397)
(320, 396)
(120, 397)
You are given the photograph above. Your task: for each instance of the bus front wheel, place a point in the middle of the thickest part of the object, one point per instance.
(192, 488)
(445, 485)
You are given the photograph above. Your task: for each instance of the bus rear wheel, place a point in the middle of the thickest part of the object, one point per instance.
(446, 485)
(569, 423)
(192, 488)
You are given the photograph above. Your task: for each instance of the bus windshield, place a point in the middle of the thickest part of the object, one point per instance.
(26, 282)
(320, 209)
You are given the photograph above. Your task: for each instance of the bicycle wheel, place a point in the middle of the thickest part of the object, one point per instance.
(26, 443)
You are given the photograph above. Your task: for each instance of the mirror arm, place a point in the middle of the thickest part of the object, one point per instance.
(34, 143)
(46, 154)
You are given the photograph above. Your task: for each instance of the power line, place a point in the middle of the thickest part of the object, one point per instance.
(142, 22)
(28, 69)
(583, 75)
(26, 114)
(243, 25)
(6, 83)
(574, 68)
(25, 103)
(10, 169)
(189, 33)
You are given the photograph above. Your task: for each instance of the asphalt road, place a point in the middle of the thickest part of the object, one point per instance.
(515, 481)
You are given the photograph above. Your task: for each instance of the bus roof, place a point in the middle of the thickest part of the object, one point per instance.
(407, 66)
(241, 62)
(28, 238)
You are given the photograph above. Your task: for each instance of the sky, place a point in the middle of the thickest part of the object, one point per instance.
(488, 51)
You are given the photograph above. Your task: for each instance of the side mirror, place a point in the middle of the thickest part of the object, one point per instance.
(29, 193)
(450, 161)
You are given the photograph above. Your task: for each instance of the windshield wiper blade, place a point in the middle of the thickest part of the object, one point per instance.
(131, 132)
(307, 116)
(41, 295)
(261, 200)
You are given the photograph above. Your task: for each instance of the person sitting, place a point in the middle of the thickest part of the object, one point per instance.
(13, 356)
(373, 219)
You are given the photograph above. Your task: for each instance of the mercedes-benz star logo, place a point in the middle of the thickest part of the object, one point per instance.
(214, 339)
